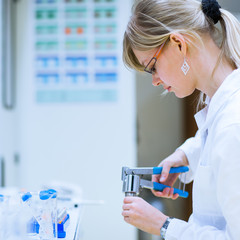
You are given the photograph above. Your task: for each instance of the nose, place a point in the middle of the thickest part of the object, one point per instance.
(156, 81)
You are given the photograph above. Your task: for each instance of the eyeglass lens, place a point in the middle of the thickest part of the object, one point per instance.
(151, 65)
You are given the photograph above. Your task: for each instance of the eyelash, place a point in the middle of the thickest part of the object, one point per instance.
(153, 69)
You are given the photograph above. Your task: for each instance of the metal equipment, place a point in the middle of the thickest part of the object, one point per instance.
(133, 182)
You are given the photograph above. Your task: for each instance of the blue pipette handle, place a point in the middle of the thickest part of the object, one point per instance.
(160, 187)
(158, 170)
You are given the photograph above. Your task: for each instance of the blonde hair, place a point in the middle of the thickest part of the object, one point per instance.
(153, 21)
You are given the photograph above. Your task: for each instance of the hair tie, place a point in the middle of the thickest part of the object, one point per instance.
(211, 9)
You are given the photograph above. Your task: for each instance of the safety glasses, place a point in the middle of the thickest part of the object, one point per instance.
(150, 68)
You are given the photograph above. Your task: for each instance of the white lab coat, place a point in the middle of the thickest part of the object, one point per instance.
(214, 159)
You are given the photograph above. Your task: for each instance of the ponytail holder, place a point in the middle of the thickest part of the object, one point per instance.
(211, 9)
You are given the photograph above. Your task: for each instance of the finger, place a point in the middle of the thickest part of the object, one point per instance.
(170, 195)
(126, 207)
(128, 200)
(165, 172)
(175, 196)
(127, 219)
(155, 178)
(125, 213)
(158, 193)
(171, 191)
(166, 192)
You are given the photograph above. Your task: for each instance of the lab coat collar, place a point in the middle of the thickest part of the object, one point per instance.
(229, 86)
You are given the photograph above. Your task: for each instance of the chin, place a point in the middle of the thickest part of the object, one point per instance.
(183, 95)
(180, 95)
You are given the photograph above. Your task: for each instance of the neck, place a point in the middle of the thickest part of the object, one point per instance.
(212, 77)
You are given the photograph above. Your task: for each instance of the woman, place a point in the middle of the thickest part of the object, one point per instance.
(178, 42)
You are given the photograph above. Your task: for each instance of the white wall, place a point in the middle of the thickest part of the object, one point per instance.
(86, 144)
(230, 5)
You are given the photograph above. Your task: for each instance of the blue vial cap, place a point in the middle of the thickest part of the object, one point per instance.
(26, 196)
(1, 198)
(53, 193)
(44, 195)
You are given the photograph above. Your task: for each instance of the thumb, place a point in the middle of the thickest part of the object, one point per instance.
(165, 172)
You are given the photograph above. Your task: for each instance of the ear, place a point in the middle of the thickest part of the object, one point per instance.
(178, 40)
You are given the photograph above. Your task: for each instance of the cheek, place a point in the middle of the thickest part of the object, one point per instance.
(170, 67)
(170, 74)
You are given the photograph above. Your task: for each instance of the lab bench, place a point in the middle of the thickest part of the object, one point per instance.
(69, 215)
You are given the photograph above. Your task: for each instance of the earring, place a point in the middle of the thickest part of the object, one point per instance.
(185, 67)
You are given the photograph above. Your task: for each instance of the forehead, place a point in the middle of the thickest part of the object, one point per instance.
(144, 56)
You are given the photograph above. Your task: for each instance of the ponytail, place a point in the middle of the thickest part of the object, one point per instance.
(230, 45)
(231, 37)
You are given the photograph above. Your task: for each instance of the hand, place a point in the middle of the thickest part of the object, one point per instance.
(178, 158)
(142, 215)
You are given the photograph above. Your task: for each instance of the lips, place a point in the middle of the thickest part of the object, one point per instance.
(167, 88)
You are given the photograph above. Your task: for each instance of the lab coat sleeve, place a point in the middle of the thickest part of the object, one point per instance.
(192, 148)
(225, 161)
(226, 164)
(181, 230)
